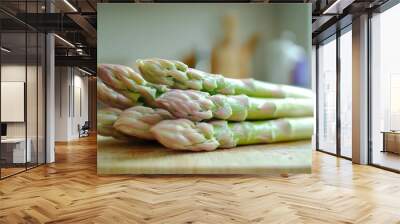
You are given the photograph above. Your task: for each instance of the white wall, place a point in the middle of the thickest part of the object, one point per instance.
(70, 83)
(80, 109)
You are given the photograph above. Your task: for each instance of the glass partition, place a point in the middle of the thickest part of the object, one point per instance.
(14, 153)
(22, 77)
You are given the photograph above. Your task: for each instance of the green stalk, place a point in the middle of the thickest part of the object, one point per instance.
(177, 75)
(183, 134)
(261, 109)
(280, 130)
(196, 106)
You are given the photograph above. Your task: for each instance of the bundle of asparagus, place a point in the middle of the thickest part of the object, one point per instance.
(187, 109)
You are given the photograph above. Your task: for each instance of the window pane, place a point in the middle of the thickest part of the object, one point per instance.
(345, 94)
(327, 97)
(386, 88)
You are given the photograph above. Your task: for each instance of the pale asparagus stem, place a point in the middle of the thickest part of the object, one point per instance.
(261, 109)
(105, 120)
(197, 106)
(183, 134)
(137, 121)
(112, 98)
(129, 83)
(177, 75)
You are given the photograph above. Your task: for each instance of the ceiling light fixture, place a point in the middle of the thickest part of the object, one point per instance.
(84, 71)
(329, 9)
(70, 5)
(337, 7)
(79, 51)
(65, 41)
(5, 50)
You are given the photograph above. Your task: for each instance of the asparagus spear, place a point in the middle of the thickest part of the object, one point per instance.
(129, 83)
(112, 98)
(137, 121)
(177, 75)
(183, 134)
(105, 120)
(196, 106)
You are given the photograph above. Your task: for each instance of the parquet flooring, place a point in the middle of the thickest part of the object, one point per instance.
(69, 191)
(11, 170)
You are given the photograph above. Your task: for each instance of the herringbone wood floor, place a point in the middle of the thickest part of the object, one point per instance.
(69, 191)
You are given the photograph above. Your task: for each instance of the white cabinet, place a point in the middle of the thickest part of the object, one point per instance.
(15, 149)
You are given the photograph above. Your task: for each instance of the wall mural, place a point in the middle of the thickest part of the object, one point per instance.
(184, 92)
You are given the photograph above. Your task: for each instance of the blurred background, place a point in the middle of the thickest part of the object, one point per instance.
(270, 42)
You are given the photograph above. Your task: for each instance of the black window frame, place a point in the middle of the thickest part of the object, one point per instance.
(343, 26)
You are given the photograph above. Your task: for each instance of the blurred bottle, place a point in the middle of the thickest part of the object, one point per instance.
(230, 57)
(287, 62)
(198, 58)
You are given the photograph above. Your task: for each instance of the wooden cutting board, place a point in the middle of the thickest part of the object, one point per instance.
(115, 157)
